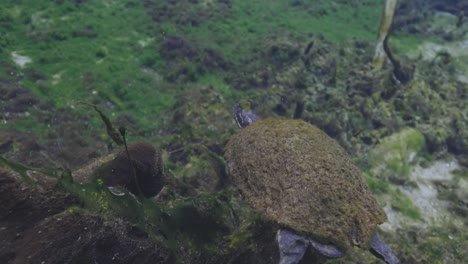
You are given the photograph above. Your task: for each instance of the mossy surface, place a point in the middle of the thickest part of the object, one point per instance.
(294, 174)
(86, 51)
(404, 205)
(392, 157)
(116, 53)
(170, 72)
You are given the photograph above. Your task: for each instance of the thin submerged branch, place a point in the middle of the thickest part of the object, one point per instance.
(384, 31)
(402, 74)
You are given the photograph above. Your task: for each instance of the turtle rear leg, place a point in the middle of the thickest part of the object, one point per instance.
(382, 250)
(329, 251)
(291, 246)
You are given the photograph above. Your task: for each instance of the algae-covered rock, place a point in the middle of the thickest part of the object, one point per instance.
(85, 174)
(294, 174)
(396, 151)
(204, 172)
(44, 224)
(140, 169)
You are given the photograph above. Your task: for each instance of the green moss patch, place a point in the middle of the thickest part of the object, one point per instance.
(392, 157)
(404, 205)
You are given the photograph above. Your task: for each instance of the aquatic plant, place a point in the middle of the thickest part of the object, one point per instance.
(117, 135)
(402, 74)
(384, 31)
(112, 54)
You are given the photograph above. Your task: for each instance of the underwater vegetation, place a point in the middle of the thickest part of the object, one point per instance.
(170, 72)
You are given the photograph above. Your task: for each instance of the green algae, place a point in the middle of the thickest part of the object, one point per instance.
(219, 84)
(23, 171)
(114, 74)
(253, 21)
(64, 32)
(197, 223)
(392, 157)
(202, 220)
(241, 236)
(404, 205)
(86, 27)
(376, 185)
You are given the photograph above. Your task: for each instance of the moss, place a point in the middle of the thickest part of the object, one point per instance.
(436, 138)
(28, 124)
(23, 171)
(415, 140)
(392, 157)
(435, 244)
(252, 22)
(461, 173)
(199, 221)
(401, 144)
(399, 167)
(376, 184)
(200, 172)
(404, 205)
(114, 65)
(95, 51)
(240, 237)
(218, 83)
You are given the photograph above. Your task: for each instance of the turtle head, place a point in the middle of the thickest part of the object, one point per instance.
(244, 115)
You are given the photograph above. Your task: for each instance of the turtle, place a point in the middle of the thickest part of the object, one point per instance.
(296, 176)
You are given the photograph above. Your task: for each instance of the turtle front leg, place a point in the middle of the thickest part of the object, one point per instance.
(382, 250)
(291, 246)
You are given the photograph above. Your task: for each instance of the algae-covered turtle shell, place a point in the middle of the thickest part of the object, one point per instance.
(292, 173)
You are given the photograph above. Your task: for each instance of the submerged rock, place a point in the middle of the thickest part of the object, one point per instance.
(139, 170)
(391, 158)
(41, 224)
